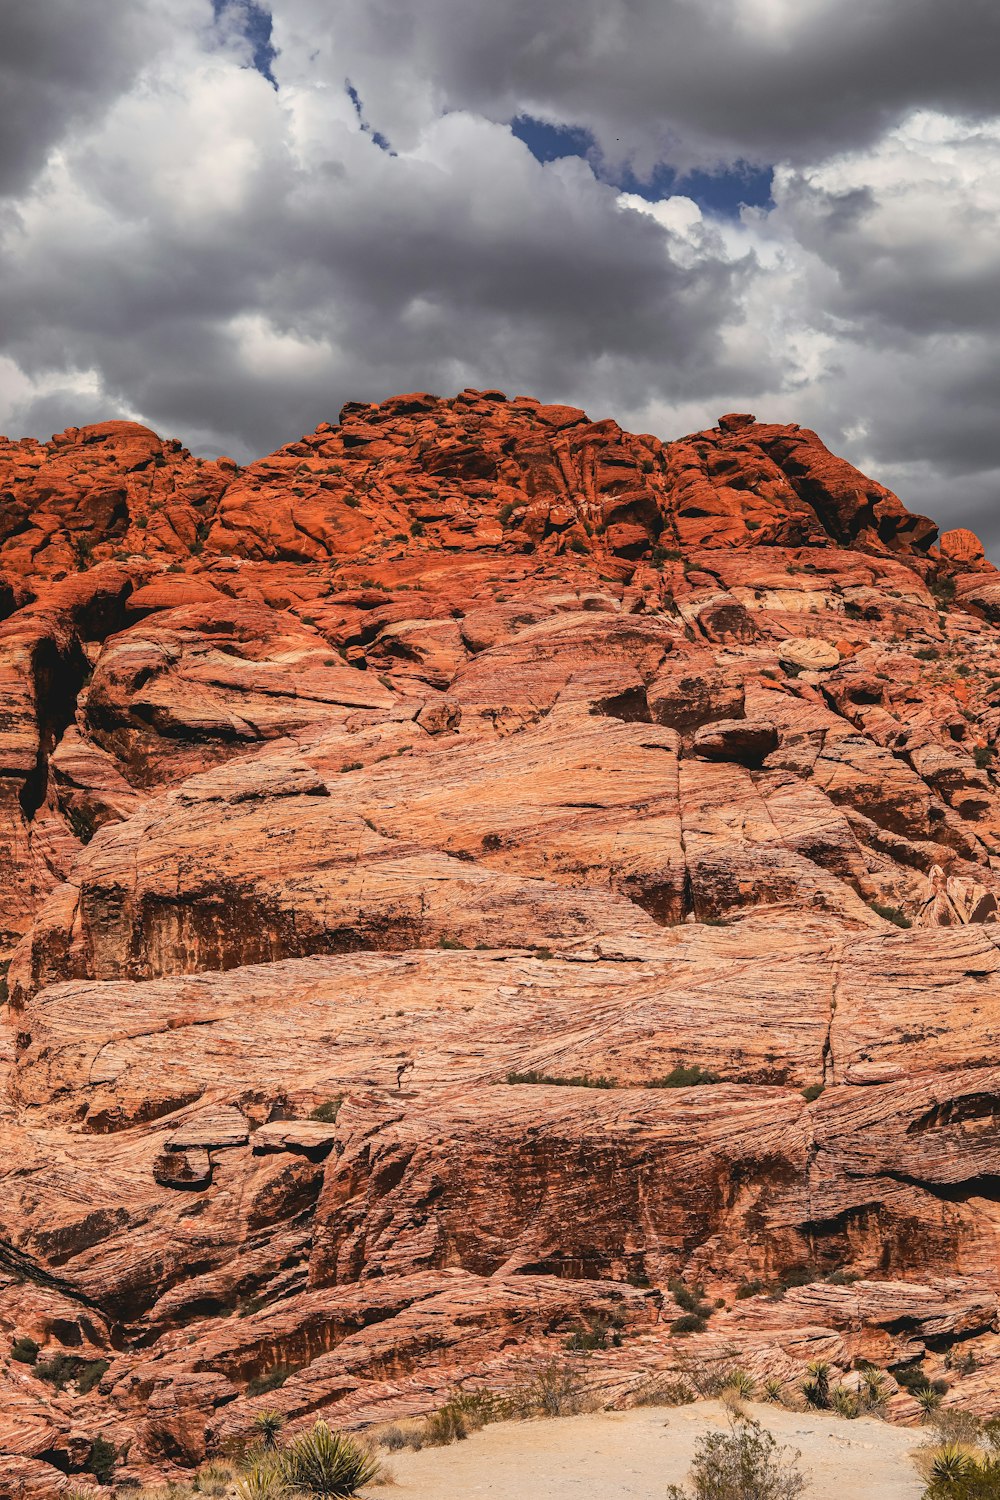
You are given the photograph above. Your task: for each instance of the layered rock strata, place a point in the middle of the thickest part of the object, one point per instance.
(363, 808)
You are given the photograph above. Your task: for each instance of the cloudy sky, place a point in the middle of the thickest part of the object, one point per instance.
(225, 218)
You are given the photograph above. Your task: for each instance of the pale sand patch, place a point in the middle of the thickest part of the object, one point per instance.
(637, 1453)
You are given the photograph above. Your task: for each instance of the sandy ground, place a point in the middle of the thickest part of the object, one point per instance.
(636, 1454)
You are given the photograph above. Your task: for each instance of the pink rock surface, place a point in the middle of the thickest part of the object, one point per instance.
(361, 807)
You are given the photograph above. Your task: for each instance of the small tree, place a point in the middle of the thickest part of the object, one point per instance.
(744, 1463)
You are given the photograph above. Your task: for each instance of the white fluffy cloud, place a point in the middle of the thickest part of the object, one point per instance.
(228, 261)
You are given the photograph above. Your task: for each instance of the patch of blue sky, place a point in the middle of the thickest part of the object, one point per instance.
(723, 192)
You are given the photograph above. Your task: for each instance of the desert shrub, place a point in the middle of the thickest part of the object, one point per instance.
(62, 1368)
(322, 1462)
(688, 1323)
(744, 1463)
(213, 1479)
(772, 1390)
(448, 1425)
(505, 512)
(327, 1111)
(750, 1289)
(101, 1459)
(943, 590)
(89, 1374)
(661, 1392)
(812, 1091)
(690, 1299)
(580, 1081)
(984, 756)
(24, 1350)
(554, 1392)
(393, 1438)
(957, 1426)
(890, 914)
(927, 653)
(683, 1077)
(271, 1381)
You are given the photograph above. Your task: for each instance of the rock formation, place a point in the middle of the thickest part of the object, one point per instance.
(363, 808)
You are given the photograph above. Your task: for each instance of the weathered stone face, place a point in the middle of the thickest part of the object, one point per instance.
(361, 807)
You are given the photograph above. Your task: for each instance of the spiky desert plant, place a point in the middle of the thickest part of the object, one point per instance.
(874, 1389)
(742, 1383)
(817, 1388)
(773, 1390)
(928, 1399)
(262, 1481)
(322, 1462)
(951, 1464)
(845, 1403)
(268, 1424)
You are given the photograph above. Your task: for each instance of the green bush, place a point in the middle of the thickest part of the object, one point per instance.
(89, 1375)
(890, 914)
(596, 1335)
(24, 1350)
(101, 1460)
(812, 1092)
(683, 1077)
(688, 1323)
(60, 1369)
(742, 1464)
(328, 1111)
(271, 1381)
(581, 1081)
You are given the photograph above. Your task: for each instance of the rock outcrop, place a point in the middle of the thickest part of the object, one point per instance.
(466, 874)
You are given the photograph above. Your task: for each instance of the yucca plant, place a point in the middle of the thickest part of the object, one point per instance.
(927, 1399)
(817, 1388)
(773, 1389)
(951, 1465)
(874, 1390)
(262, 1481)
(268, 1424)
(742, 1383)
(322, 1462)
(845, 1403)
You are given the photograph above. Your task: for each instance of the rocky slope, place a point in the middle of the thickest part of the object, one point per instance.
(455, 748)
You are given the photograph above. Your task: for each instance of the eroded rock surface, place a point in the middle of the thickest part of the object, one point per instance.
(363, 808)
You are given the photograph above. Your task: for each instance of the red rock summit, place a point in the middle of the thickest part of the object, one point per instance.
(361, 807)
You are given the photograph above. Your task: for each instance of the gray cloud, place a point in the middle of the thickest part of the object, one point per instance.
(61, 64)
(697, 81)
(230, 264)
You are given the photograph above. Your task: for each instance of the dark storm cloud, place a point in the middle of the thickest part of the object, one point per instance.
(396, 272)
(230, 260)
(692, 80)
(61, 63)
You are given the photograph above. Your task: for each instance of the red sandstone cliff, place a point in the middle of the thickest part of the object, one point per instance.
(462, 741)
